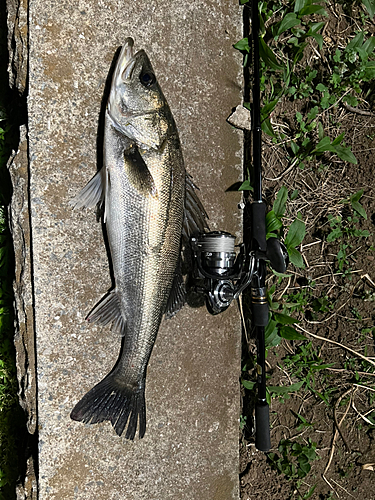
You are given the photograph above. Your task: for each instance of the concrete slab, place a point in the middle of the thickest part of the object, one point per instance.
(190, 450)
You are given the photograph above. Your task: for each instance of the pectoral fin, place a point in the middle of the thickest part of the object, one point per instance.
(138, 173)
(92, 193)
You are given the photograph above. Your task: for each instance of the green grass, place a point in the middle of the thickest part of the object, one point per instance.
(302, 72)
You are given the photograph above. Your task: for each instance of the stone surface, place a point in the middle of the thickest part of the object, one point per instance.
(24, 339)
(190, 450)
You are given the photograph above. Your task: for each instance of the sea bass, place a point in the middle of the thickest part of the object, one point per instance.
(150, 210)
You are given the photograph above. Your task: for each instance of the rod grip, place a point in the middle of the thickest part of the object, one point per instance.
(260, 314)
(262, 427)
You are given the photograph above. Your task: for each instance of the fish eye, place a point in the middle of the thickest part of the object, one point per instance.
(147, 79)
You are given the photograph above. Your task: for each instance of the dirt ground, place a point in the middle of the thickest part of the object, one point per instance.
(340, 407)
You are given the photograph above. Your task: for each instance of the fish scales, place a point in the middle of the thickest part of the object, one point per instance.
(145, 188)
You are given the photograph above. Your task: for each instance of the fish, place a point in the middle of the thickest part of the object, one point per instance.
(151, 209)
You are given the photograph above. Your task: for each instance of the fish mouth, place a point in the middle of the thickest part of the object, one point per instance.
(126, 59)
(123, 70)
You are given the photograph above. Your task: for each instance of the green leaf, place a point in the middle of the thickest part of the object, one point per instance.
(289, 333)
(354, 200)
(245, 186)
(268, 56)
(315, 27)
(295, 234)
(242, 45)
(370, 6)
(267, 127)
(334, 235)
(279, 205)
(312, 9)
(295, 257)
(369, 71)
(313, 113)
(355, 43)
(271, 335)
(324, 145)
(248, 384)
(285, 319)
(338, 139)
(300, 4)
(285, 389)
(369, 44)
(319, 39)
(294, 195)
(289, 21)
(321, 87)
(356, 196)
(294, 147)
(345, 154)
(273, 223)
(351, 100)
(268, 108)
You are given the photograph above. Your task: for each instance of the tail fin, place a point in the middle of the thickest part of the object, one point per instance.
(113, 401)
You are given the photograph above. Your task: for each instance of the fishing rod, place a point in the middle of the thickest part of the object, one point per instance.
(222, 274)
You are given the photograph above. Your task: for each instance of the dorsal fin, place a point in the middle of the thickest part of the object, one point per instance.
(195, 220)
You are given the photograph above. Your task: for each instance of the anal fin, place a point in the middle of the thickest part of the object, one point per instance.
(108, 311)
(177, 295)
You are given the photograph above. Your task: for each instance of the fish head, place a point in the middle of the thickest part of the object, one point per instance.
(136, 104)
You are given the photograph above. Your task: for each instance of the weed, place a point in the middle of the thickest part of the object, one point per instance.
(346, 230)
(276, 229)
(294, 458)
(306, 365)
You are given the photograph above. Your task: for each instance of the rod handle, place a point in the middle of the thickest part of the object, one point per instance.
(262, 427)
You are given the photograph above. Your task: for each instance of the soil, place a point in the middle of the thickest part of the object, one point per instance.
(343, 425)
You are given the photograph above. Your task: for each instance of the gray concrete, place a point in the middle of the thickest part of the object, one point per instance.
(190, 450)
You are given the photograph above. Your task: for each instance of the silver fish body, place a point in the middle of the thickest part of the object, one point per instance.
(150, 204)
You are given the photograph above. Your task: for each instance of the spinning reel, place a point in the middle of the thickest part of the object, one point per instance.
(222, 274)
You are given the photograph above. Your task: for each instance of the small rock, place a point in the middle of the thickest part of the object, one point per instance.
(240, 118)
